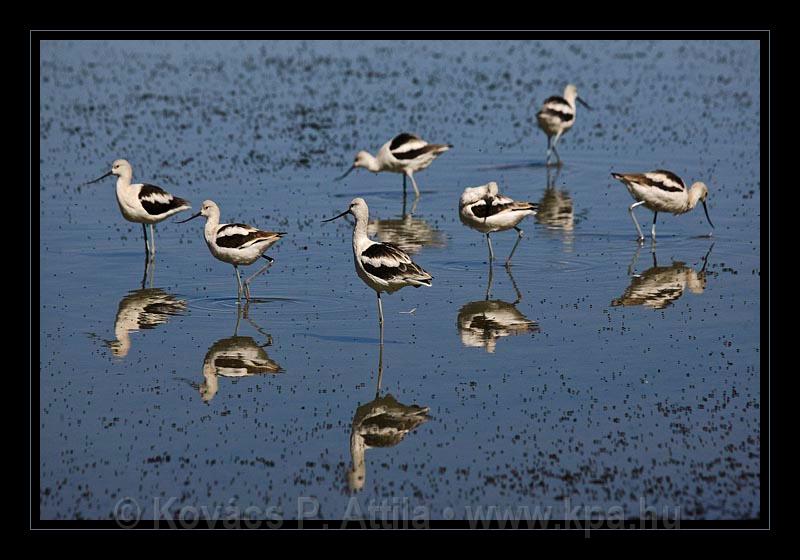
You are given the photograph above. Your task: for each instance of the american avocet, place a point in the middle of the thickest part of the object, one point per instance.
(662, 191)
(382, 422)
(143, 203)
(405, 153)
(236, 244)
(482, 323)
(557, 116)
(382, 266)
(486, 210)
(142, 309)
(659, 286)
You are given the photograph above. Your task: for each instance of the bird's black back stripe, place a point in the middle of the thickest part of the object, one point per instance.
(237, 240)
(379, 250)
(486, 210)
(385, 272)
(401, 139)
(665, 186)
(411, 154)
(564, 117)
(556, 99)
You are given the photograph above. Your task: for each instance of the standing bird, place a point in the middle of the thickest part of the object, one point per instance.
(662, 191)
(143, 203)
(485, 210)
(384, 267)
(236, 243)
(405, 154)
(557, 116)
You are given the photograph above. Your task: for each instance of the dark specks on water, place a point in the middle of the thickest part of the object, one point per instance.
(595, 371)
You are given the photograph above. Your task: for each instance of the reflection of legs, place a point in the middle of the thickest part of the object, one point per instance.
(153, 239)
(634, 259)
(491, 252)
(404, 187)
(516, 289)
(380, 370)
(260, 271)
(519, 238)
(633, 217)
(489, 285)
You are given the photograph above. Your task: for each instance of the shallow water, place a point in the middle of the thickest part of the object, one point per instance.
(596, 375)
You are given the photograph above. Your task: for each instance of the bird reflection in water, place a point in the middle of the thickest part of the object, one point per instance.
(481, 323)
(142, 309)
(659, 286)
(556, 212)
(409, 233)
(382, 422)
(235, 357)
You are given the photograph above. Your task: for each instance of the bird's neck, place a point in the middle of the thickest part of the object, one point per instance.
(123, 182)
(373, 164)
(212, 224)
(693, 197)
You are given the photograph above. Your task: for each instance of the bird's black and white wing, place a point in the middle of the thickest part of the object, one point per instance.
(407, 146)
(156, 201)
(390, 264)
(242, 236)
(493, 205)
(658, 179)
(556, 108)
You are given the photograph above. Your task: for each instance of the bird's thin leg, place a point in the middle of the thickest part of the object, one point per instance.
(519, 238)
(414, 184)
(555, 151)
(489, 285)
(260, 271)
(239, 281)
(153, 239)
(549, 150)
(404, 187)
(146, 243)
(491, 252)
(633, 217)
(380, 315)
(653, 231)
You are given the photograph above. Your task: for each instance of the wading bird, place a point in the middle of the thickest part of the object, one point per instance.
(382, 266)
(557, 116)
(485, 210)
(662, 191)
(142, 203)
(236, 244)
(405, 153)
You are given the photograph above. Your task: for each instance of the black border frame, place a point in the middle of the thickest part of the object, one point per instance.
(762, 35)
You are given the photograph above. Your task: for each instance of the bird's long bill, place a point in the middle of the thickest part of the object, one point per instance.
(191, 218)
(335, 217)
(706, 210)
(582, 102)
(346, 173)
(99, 178)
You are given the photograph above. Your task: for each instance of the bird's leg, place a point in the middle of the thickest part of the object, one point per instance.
(404, 187)
(555, 151)
(519, 238)
(549, 150)
(239, 283)
(260, 271)
(653, 231)
(146, 242)
(491, 252)
(633, 217)
(414, 184)
(153, 239)
(380, 315)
